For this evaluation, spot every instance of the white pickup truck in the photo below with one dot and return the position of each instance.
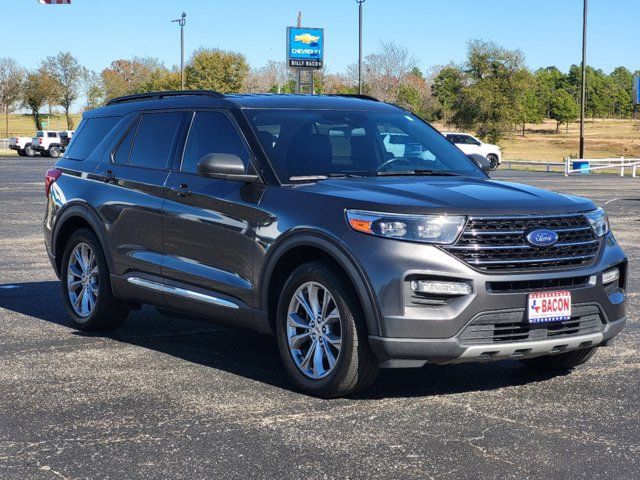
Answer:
(48, 143)
(22, 145)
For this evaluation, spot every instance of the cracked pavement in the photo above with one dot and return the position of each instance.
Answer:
(167, 397)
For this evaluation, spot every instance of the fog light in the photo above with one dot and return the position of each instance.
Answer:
(440, 288)
(610, 276)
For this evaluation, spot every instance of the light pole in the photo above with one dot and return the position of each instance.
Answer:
(181, 21)
(584, 77)
(360, 2)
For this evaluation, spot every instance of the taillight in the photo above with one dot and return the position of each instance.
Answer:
(40, 141)
(51, 176)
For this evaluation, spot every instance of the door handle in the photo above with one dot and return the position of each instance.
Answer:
(181, 190)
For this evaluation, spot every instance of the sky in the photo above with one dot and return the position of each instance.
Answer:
(436, 32)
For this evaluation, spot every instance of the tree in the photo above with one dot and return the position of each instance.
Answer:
(529, 109)
(548, 80)
(126, 77)
(564, 108)
(489, 103)
(385, 71)
(36, 91)
(92, 88)
(68, 73)
(215, 69)
(446, 87)
(11, 82)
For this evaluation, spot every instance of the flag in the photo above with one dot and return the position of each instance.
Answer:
(54, 2)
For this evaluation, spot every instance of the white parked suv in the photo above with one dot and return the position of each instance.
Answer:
(22, 145)
(470, 144)
(48, 143)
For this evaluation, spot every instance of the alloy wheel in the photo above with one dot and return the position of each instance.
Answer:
(82, 279)
(314, 331)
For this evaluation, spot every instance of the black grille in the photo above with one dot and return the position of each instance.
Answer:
(499, 243)
(491, 328)
(542, 284)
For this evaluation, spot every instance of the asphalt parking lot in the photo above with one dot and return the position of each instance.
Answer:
(178, 398)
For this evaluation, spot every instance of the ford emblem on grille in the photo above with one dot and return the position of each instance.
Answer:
(542, 237)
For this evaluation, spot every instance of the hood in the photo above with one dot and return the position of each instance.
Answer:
(453, 195)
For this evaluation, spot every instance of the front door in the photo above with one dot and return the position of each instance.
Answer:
(209, 224)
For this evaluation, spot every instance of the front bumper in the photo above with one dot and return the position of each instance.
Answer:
(410, 332)
(414, 352)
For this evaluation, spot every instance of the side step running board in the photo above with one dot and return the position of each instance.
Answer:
(181, 292)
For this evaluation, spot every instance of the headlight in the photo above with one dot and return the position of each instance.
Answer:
(442, 229)
(599, 221)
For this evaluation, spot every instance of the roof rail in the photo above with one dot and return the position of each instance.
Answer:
(168, 93)
(358, 95)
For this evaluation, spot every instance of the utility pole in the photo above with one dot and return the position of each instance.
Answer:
(360, 2)
(181, 21)
(584, 77)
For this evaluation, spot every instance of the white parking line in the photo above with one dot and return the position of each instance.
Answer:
(610, 201)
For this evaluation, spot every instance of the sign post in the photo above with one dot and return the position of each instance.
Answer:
(305, 53)
(636, 95)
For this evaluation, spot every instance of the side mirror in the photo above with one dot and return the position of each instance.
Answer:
(225, 166)
(480, 161)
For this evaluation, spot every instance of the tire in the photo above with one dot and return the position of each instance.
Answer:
(355, 366)
(103, 313)
(493, 161)
(21, 152)
(54, 152)
(29, 151)
(561, 362)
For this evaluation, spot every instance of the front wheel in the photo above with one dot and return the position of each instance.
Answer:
(562, 361)
(86, 285)
(493, 161)
(322, 335)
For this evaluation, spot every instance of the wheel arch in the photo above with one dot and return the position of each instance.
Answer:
(301, 246)
(72, 218)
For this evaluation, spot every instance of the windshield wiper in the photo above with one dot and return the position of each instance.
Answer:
(317, 178)
(434, 173)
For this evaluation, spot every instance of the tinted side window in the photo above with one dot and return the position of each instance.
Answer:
(121, 155)
(211, 132)
(51, 134)
(89, 135)
(154, 139)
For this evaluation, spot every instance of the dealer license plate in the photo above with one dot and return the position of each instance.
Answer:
(549, 307)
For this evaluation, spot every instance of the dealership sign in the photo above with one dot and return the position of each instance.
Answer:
(636, 90)
(305, 47)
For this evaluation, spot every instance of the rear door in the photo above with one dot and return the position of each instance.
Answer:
(209, 223)
(131, 203)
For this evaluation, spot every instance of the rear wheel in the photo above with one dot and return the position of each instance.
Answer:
(86, 285)
(29, 151)
(493, 161)
(322, 335)
(561, 362)
(54, 152)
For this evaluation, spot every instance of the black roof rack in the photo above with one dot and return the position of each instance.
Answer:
(358, 95)
(169, 93)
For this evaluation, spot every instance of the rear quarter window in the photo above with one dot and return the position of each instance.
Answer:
(89, 134)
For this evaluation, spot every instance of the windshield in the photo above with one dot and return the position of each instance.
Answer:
(308, 143)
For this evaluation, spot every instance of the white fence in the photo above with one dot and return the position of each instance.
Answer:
(588, 165)
(4, 143)
(583, 165)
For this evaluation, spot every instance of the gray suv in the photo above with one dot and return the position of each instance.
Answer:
(350, 229)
